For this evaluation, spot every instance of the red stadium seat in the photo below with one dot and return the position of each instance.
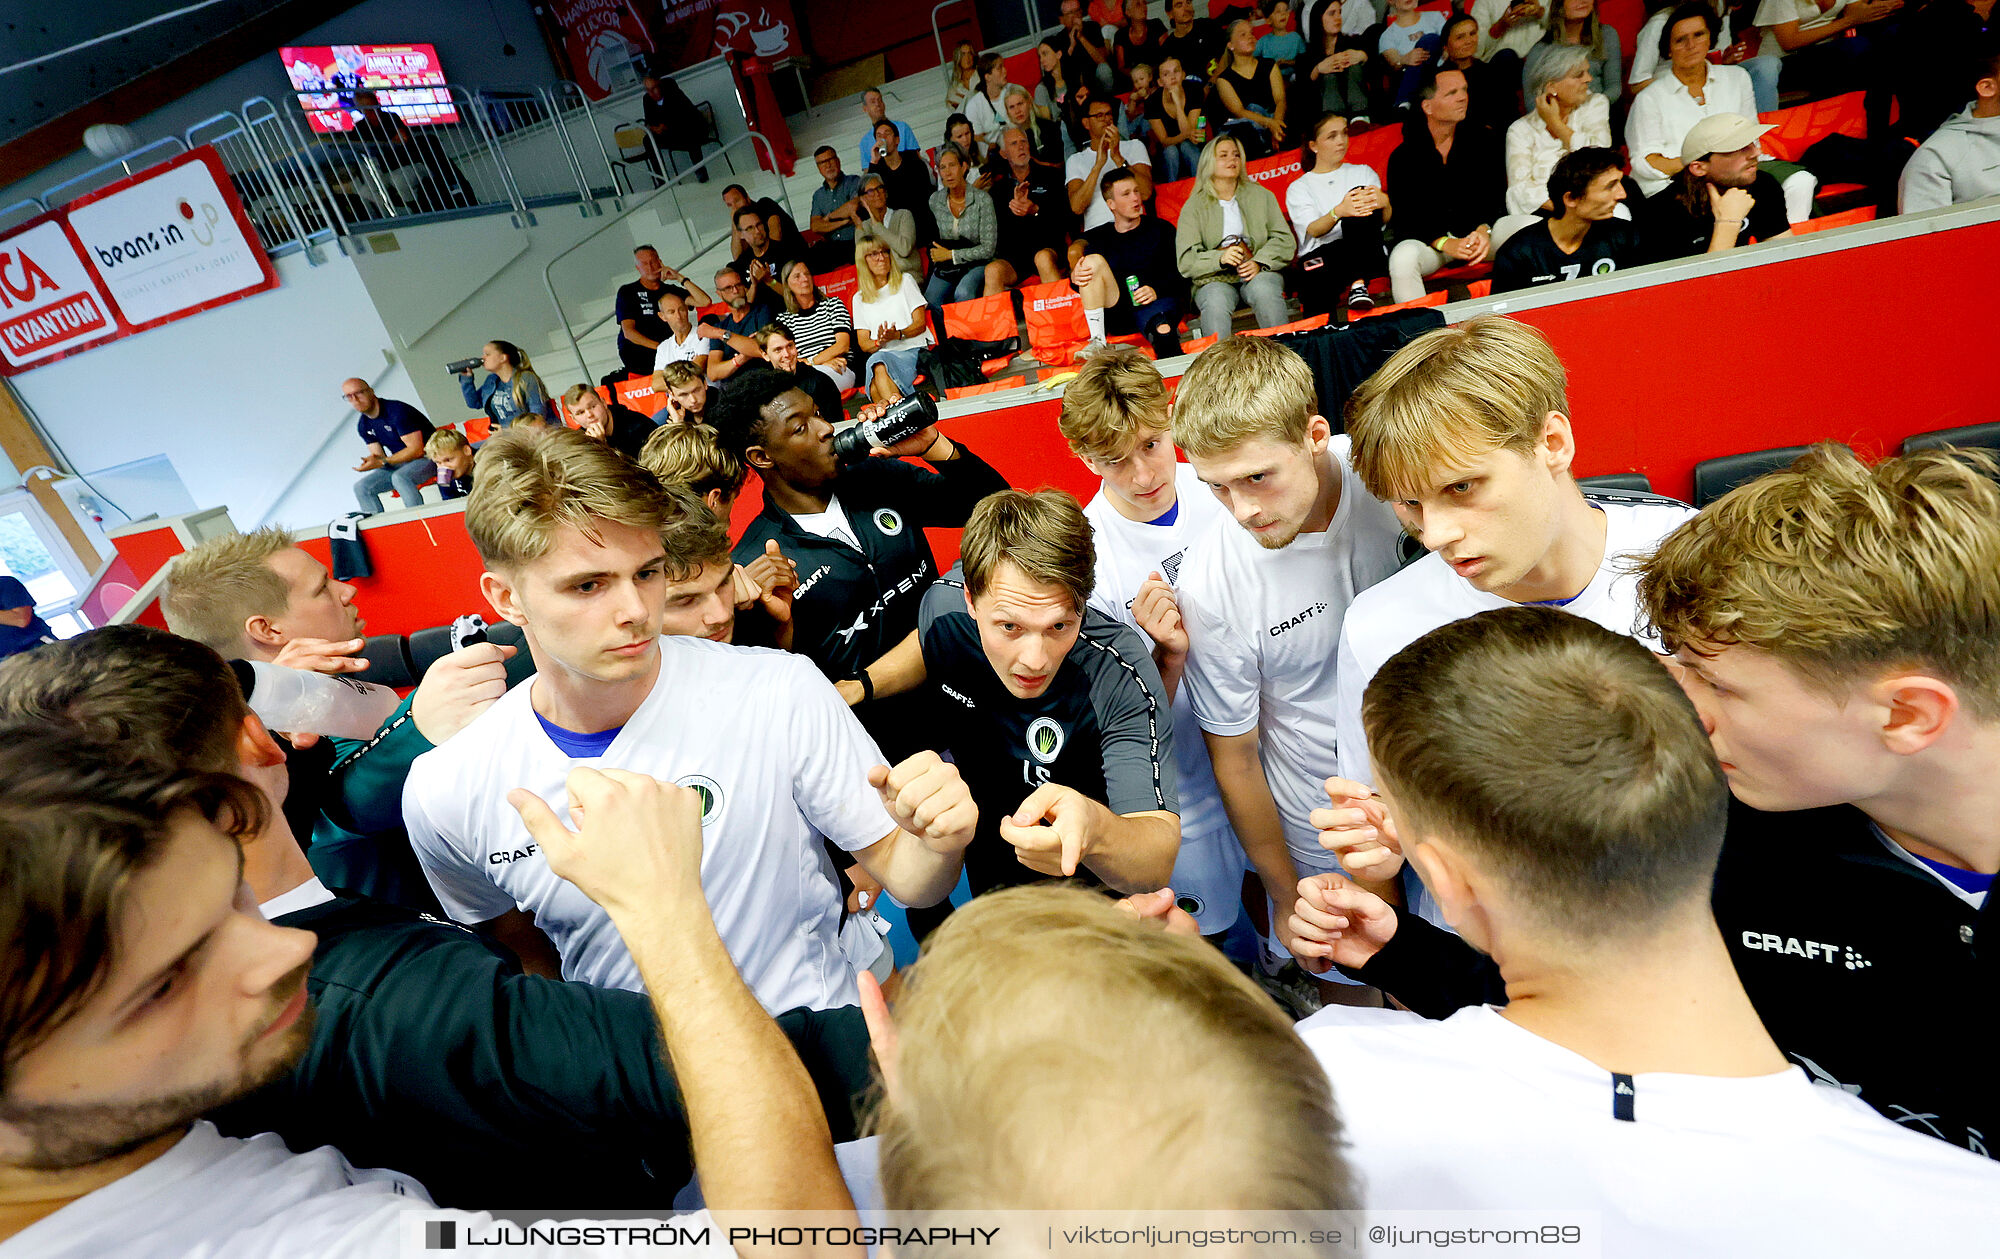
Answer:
(639, 395)
(478, 428)
(1802, 126)
(1298, 325)
(1372, 148)
(984, 319)
(1169, 198)
(1846, 218)
(841, 283)
(1428, 299)
(1054, 315)
(1024, 68)
(1199, 344)
(1478, 289)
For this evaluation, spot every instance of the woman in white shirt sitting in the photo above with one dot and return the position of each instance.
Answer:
(1337, 210)
(891, 321)
(1687, 91)
(1566, 113)
(1742, 49)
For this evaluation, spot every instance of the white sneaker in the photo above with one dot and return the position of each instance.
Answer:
(1091, 348)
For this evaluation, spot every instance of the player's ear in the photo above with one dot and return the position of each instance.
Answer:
(503, 594)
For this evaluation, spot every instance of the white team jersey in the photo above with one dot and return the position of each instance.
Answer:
(1476, 1113)
(781, 761)
(1428, 594)
(1129, 551)
(1264, 626)
(255, 1199)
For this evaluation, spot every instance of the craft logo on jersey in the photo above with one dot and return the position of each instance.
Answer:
(1045, 739)
(888, 521)
(710, 792)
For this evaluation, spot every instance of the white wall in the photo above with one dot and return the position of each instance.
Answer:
(244, 400)
(464, 32)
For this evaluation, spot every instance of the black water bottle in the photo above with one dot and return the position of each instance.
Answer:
(903, 418)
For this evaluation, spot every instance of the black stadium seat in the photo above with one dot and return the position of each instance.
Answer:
(1715, 477)
(1617, 481)
(1970, 437)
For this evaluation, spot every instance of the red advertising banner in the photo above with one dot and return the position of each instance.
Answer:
(166, 243)
(407, 78)
(601, 38)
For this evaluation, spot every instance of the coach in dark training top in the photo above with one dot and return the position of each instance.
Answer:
(1055, 714)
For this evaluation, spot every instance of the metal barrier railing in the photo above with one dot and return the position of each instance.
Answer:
(298, 177)
(570, 100)
(753, 138)
(379, 168)
(32, 204)
(123, 165)
(272, 212)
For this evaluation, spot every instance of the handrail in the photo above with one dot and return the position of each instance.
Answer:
(474, 101)
(242, 128)
(556, 93)
(49, 193)
(937, 33)
(36, 202)
(548, 280)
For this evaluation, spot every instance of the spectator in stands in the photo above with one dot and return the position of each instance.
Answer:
(637, 309)
(957, 130)
(1741, 50)
(692, 456)
(1132, 108)
(1249, 94)
(1575, 24)
(1283, 46)
(452, 454)
(395, 433)
(834, 209)
(1961, 160)
(1338, 67)
(891, 322)
(1942, 47)
(511, 388)
(762, 260)
(1832, 50)
(1033, 208)
(1585, 239)
(1084, 172)
(1190, 40)
(688, 393)
(1174, 114)
(1232, 242)
(396, 148)
(1508, 29)
(543, 512)
(781, 352)
(1161, 1024)
(1065, 741)
(1720, 199)
(730, 335)
(1568, 114)
(1126, 273)
(778, 225)
(964, 75)
(1138, 41)
(673, 121)
(1263, 599)
(857, 535)
(1562, 801)
(683, 342)
(903, 172)
(1337, 210)
(1495, 103)
(985, 108)
(820, 325)
(1409, 44)
(1693, 90)
(1451, 183)
(1149, 512)
(616, 425)
(1053, 94)
(968, 232)
(896, 225)
(873, 107)
(1045, 141)
(1085, 59)
(20, 627)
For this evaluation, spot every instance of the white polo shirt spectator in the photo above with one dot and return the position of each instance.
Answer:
(693, 348)
(1314, 195)
(761, 734)
(1475, 1113)
(1264, 633)
(1208, 873)
(1130, 153)
(1665, 112)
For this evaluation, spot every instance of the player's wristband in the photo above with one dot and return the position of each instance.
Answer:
(867, 687)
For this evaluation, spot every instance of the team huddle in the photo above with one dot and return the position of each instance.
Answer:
(1595, 854)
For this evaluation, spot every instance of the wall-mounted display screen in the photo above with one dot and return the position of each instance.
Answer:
(406, 77)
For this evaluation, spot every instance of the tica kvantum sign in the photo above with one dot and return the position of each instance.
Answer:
(169, 242)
